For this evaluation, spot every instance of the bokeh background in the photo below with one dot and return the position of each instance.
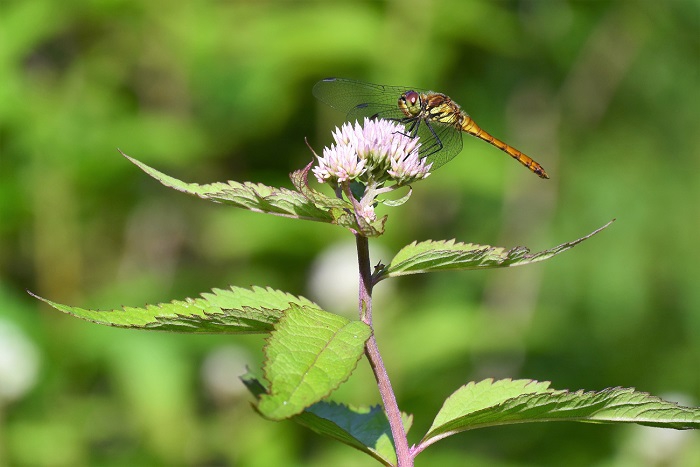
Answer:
(604, 94)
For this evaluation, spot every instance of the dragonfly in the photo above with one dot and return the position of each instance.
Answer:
(432, 116)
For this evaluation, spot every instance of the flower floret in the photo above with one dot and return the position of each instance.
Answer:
(339, 163)
(409, 168)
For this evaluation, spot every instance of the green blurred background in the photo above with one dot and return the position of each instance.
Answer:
(604, 94)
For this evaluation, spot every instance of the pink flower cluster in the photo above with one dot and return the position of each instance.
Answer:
(375, 152)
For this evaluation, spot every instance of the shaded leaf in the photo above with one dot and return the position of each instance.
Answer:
(253, 383)
(449, 255)
(300, 180)
(235, 310)
(364, 428)
(308, 355)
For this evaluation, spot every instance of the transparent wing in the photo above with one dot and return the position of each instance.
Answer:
(358, 99)
(375, 110)
(439, 143)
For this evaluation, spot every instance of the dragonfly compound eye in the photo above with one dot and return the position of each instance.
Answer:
(412, 97)
(409, 102)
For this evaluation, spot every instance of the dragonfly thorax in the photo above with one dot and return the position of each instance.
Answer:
(432, 106)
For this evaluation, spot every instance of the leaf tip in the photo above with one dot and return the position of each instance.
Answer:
(38, 297)
(33, 294)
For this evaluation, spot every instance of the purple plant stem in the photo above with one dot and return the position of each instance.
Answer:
(391, 408)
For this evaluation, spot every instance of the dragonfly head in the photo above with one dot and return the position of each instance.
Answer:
(410, 103)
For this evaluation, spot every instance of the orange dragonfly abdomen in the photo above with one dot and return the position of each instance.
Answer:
(468, 125)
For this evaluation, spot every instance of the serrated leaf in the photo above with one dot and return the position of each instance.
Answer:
(447, 255)
(308, 204)
(505, 402)
(474, 397)
(364, 428)
(308, 355)
(253, 196)
(300, 180)
(232, 311)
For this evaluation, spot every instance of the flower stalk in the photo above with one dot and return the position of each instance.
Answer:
(391, 407)
(365, 162)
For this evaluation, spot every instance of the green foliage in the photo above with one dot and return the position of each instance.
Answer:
(307, 357)
(310, 352)
(363, 428)
(231, 311)
(493, 403)
(306, 204)
(448, 255)
(222, 90)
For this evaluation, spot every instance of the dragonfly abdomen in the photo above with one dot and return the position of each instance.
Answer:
(468, 125)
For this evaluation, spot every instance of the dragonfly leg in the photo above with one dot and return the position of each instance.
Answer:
(410, 122)
(412, 127)
(437, 143)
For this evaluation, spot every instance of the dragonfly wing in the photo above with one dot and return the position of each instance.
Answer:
(359, 100)
(439, 143)
(346, 94)
(374, 110)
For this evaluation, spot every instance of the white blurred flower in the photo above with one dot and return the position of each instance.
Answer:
(19, 362)
(221, 371)
(333, 279)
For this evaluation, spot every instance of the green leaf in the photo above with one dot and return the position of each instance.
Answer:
(233, 311)
(449, 255)
(397, 202)
(364, 428)
(308, 355)
(505, 402)
(307, 204)
(300, 180)
(253, 196)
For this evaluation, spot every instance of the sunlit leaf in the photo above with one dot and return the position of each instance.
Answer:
(307, 204)
(505, 402)
(450, 255)
(253, 196)
(235, 310)
(308, 355)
